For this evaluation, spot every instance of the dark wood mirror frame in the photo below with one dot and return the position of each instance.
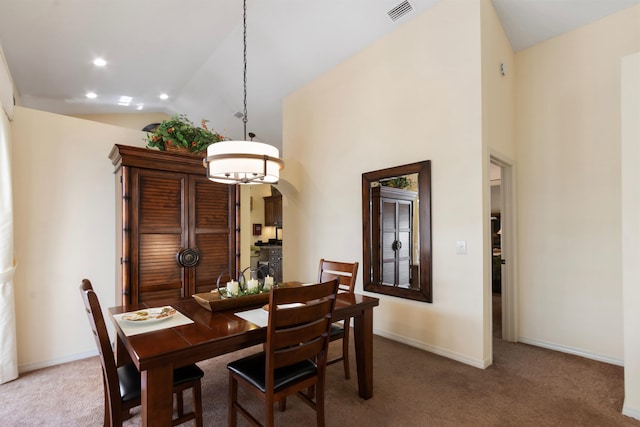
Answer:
(423, 292)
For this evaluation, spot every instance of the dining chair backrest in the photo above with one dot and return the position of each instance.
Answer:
(122, 388)
(299, 324)
(294, 356)
(107, 359)
(345, 272)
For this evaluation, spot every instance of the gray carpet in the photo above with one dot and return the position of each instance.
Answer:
(526, 386)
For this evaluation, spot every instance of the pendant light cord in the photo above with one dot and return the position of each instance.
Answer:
(244, 40)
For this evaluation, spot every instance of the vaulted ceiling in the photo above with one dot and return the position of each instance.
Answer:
(192, 50)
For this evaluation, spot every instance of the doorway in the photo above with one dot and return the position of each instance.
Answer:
(503, 254)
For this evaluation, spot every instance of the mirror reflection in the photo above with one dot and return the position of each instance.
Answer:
(397, 231)
(393, 205)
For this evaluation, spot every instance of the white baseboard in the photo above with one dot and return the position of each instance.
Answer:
(53, 362)
(631, 412)
(477, 363)
(571, 350)
(485, 363)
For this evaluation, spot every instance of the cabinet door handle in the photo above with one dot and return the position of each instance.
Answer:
(188, 257)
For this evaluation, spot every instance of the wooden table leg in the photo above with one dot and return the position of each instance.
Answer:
(157, 396)
(363, 336)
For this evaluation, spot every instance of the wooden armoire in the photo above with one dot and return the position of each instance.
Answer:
(392, 218)
(176, 231)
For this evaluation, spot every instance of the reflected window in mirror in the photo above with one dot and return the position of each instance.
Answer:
(396, 215)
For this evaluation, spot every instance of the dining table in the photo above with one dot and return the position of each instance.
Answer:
(196, 334)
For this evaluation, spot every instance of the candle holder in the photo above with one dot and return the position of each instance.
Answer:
(266, 275)
(253, 280)
(250, 281)
(233, 287)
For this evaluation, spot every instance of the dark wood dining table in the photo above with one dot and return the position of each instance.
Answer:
(212, 334)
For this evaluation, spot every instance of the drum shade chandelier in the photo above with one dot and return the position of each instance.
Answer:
(243, 162)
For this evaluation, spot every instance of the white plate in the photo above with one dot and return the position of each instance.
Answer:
(149, 316)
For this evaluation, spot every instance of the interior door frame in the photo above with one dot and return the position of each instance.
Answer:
(508, 247)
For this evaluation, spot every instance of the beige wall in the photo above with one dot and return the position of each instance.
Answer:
(498, 91)
(135, 121)
(64, 194)
(413, 95)
(566, 126)
(569, 197)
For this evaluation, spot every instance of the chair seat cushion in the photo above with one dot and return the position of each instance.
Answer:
(187, 374)
(336, 330)
(252, 369)
(129, 378)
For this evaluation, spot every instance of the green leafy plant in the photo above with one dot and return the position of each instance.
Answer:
(398, 182)
(179, 131)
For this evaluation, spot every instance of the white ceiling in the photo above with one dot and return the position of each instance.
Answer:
(192, 50)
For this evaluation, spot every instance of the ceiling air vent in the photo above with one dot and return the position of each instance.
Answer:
(400, 10)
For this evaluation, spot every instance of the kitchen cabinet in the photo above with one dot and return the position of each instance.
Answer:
(175, 229)
(273, 210)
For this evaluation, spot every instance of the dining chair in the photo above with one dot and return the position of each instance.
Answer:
(295, 354)
(122, 384)
(346, 274)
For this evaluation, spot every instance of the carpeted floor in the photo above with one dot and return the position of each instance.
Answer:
(526, 386)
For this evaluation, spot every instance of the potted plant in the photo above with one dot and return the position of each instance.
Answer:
(181, 135)
(401, 182)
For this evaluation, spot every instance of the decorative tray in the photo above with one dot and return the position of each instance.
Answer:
(212, 301)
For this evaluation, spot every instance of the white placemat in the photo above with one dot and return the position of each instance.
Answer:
(260, 316)
(257, 316)
(134, 328)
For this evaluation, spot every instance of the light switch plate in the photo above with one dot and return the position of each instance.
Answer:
(461, 247)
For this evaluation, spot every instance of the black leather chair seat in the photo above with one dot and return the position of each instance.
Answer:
(336, 330)
(129, 378)
(251, 368)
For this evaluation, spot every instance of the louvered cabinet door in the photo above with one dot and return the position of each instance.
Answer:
(212, 224)
(176, 230)
(159, 230)
(392, 216)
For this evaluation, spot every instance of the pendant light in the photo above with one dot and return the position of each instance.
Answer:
(243, 162)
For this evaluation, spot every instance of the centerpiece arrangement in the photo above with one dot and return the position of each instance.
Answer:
(242, 292)
(179, 134)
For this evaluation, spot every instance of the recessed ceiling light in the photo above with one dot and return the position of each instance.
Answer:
(140, 106)
(92, 95)
(99, 62)
(125, 100)
(164, 96)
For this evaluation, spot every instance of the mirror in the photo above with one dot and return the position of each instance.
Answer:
(396, 224)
